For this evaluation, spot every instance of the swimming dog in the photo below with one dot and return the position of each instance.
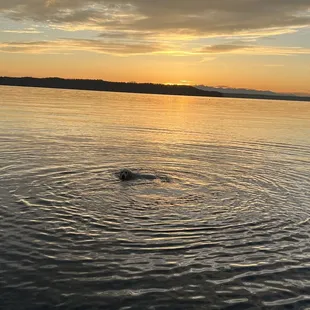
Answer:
(127, 175)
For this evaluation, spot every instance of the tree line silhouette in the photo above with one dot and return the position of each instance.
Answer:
(100, 85)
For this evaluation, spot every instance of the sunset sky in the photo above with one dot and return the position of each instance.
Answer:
(258, 44)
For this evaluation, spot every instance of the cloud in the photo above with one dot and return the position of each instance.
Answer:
(252, 50)
(223, 48)
(69, 45)
(65, 46)
(195, 18)
(21, 31)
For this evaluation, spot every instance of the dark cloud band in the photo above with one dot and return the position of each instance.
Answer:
(195, 17)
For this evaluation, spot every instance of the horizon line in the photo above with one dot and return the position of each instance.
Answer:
(216, 88)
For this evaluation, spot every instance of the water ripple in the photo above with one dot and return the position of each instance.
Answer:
(229, 230)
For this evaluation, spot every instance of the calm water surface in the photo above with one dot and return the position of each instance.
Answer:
(228, 226)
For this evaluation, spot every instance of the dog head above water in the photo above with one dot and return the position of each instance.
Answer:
(125, 175)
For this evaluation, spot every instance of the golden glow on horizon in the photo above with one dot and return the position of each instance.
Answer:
(250, 73)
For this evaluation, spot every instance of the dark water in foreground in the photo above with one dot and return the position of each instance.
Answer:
(230, 230)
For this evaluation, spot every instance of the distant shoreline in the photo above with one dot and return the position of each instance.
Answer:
(132, 87)
(100, 85)
(267, 97)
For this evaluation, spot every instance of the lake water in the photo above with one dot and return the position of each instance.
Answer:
(226, 225)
